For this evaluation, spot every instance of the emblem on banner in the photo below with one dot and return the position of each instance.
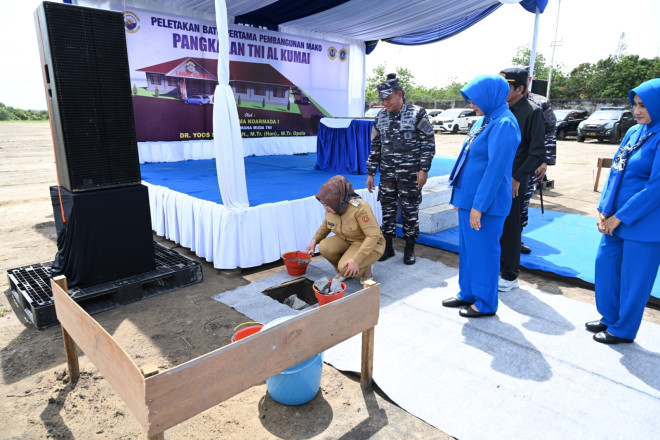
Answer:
(131, 21)
(191, 66)
(332, 52)
(343, 54)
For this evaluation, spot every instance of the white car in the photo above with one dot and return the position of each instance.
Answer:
(373, 111)
(433, 114)
(454, 120)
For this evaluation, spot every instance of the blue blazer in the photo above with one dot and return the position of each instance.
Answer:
(637, 198)
(637, 201)
(485, 180)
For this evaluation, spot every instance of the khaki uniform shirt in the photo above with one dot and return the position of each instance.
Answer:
(357, 225)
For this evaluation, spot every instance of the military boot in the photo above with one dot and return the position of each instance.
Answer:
(409, 251)
(389, 249)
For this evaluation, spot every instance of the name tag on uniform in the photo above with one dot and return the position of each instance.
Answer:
(330, 224)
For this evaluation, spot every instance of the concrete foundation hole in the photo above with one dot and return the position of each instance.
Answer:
(297, 294)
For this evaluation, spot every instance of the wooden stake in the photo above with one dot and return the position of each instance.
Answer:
(603, 162)
(70, 347)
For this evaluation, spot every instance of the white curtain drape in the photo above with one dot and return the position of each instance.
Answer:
(226, 127)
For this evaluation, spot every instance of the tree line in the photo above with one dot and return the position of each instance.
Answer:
(17, 114)
(612, 77)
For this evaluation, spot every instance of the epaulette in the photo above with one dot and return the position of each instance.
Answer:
(355, 202)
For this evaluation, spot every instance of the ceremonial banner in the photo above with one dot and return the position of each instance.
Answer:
(282, 84)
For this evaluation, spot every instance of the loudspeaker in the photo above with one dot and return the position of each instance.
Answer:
(540, 87)
(106, 236)
(88, 89)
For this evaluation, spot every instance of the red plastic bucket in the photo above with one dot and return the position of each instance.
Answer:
(292, 261)
(324, 299)
(238, 334)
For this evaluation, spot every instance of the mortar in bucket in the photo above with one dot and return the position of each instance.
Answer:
(239, 333)
(298, 384)
(296, 262)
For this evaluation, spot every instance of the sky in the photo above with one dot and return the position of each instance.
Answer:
(588, 30)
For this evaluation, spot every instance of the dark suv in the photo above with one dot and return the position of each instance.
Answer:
(609, 123)
(567, 122)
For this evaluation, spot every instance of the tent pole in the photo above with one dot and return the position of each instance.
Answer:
(532, 58)
(554, 46)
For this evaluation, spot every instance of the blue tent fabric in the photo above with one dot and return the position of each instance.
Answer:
(447, 30)
(282, 11)
(443, 31)
(344, 150)
(531, 5)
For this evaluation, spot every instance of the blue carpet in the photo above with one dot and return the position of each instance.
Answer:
(269, 179)
(564, 244)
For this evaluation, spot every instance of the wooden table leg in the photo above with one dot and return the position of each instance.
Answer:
(366, 379)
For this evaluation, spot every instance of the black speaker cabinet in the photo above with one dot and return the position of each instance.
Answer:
(106, 236)
(540, 87)
(88, 88)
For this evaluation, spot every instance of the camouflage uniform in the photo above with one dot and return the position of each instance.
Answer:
(550, 142)
(402, 144)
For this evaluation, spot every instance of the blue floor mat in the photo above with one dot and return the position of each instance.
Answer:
(564, 244)
(269, 179)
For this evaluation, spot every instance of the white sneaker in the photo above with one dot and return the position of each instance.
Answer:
(506, 285)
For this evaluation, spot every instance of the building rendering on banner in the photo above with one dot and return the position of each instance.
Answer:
(183, 77)
(251, 82)
(254, 82)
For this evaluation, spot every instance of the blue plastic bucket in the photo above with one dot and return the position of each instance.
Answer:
(300, 383)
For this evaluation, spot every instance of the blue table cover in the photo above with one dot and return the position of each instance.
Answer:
(344, 150)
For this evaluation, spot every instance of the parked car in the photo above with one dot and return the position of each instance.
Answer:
(373, 111)
(303, 100)
(454, 120)
(433, 114)
(568, 121)
(197, 99)
(609, 123)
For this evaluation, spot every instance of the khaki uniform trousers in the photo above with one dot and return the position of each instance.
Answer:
(338, 251)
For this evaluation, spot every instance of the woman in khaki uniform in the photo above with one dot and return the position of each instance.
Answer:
(358, 241)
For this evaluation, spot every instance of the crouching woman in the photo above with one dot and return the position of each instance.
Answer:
(358, 241)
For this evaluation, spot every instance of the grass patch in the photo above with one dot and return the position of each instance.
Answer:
(141, 91)
(271, 107)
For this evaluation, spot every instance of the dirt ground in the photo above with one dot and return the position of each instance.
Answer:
(38, 401)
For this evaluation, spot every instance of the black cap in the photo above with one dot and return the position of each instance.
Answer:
(388, 86)
(516, 76)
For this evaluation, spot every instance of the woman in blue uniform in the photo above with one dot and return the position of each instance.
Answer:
(481, 181)
(629, 252)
